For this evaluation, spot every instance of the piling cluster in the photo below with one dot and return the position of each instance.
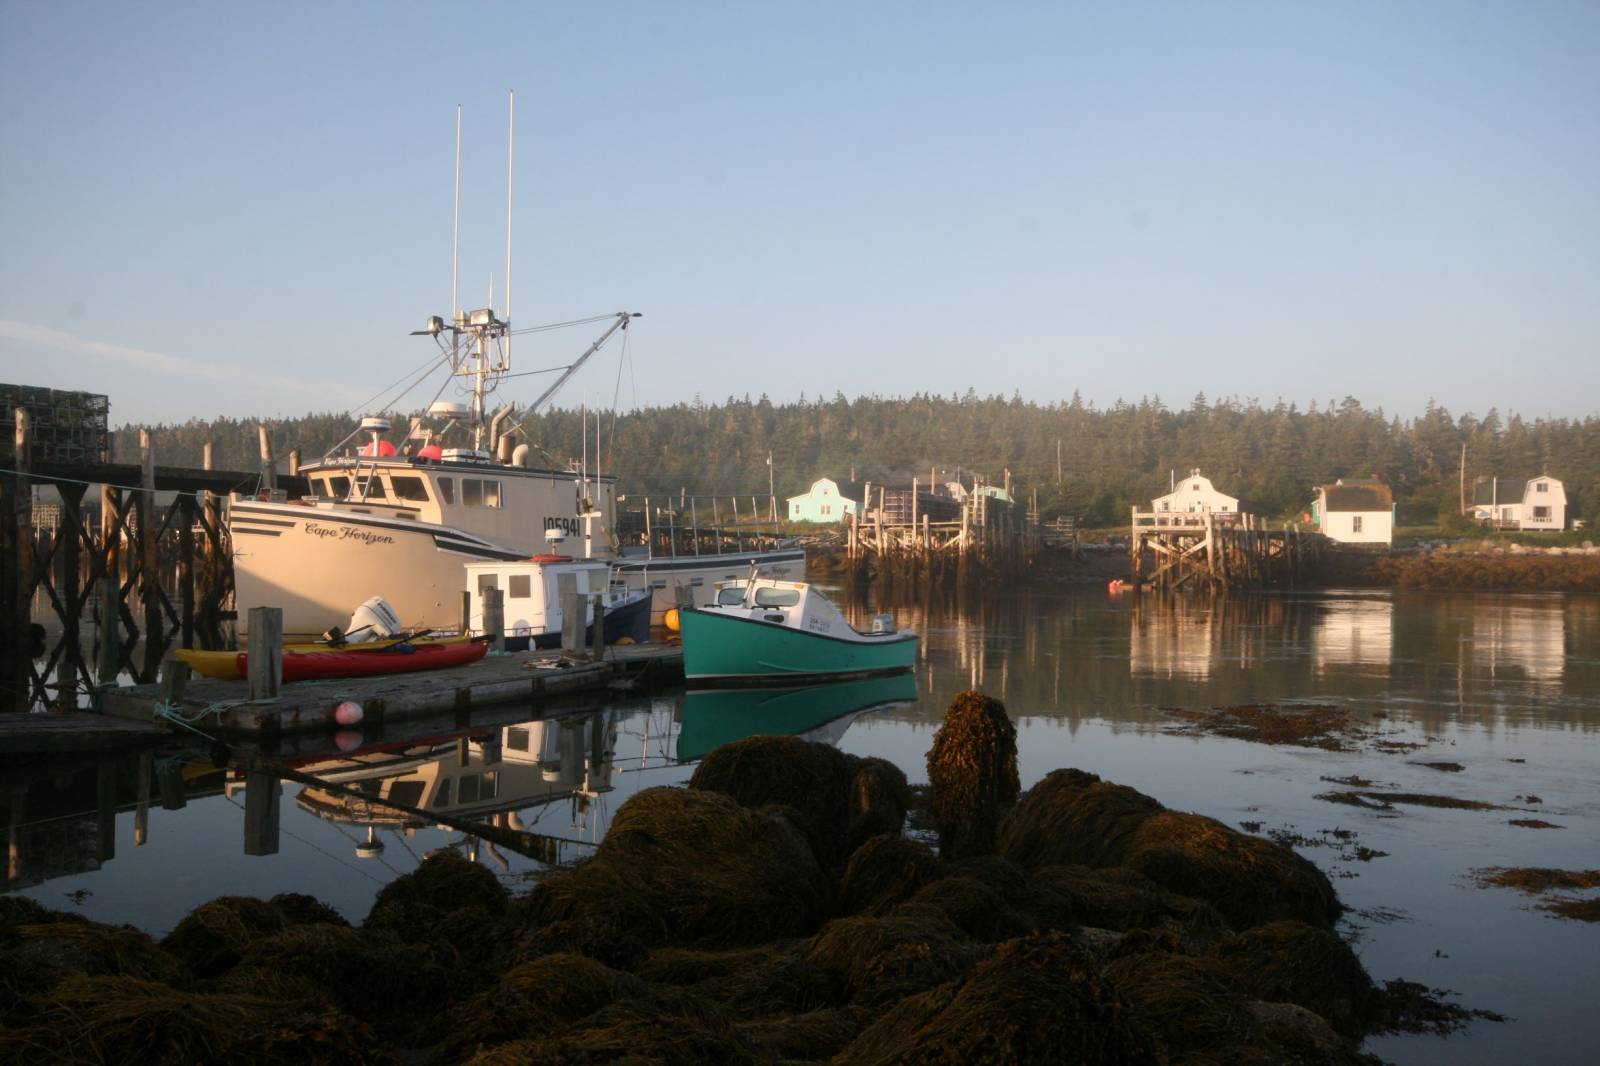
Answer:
(773, 911)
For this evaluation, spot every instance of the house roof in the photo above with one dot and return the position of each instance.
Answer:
(849, 490)
(1498, 490)
(1358, 496)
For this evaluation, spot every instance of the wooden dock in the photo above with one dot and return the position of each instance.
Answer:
(223, 708)
(1171, 550)
(920, 531)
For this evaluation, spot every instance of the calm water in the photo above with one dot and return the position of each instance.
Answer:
(1507, 686)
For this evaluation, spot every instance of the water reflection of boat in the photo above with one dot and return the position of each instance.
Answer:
(714, 717)
(487, 777)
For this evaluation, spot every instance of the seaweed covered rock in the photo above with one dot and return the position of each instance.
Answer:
(992, 900)
(298, 908)
(810, 1037)
(1040, 999)
(214, 936)
(878, 799)
(880, 960)
(1309, 966)
(1248, 879)
(1074, 818)
(693, 868)
(1122, 900)
(54, 950)
(447, 894)
(1186, 1003)
(972, 773)
(127, 1019)
(542, 996)
(884, 871)
(20, 910)
(373, 975)
(813, 779)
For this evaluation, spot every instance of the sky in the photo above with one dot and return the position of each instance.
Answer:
(244, 209)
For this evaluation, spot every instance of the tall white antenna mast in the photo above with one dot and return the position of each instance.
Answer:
(511, 132)
(455, 235)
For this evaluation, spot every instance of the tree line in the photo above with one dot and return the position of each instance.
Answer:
(1082, 460)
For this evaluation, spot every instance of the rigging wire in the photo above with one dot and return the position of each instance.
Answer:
(420, 371)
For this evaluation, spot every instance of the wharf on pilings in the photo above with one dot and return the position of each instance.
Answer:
(989, 532)
(145, 573)
(1219, 551)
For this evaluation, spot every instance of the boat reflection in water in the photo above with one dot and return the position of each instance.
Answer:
(714, 717)
(540, 788)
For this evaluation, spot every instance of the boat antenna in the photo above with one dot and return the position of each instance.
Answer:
(511, 133)
(455, 234)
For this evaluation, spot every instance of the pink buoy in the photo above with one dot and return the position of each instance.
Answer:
(347, 739)
(348, 713)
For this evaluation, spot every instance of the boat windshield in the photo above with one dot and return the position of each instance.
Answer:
(770, 597)
(730, 597)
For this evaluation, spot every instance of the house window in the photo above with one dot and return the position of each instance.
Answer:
(1355, 524)
(1165, 505)
(1541, 514)
(826, 509)
(1197, 486)
(1540, 487)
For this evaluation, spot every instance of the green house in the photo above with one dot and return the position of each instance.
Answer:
(827, 501)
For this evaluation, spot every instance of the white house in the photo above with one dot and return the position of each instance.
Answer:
(827, 501)
(1356, 512)
(1537, 504)
(1195, 494)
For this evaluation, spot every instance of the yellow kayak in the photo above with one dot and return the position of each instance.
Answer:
(224, 665)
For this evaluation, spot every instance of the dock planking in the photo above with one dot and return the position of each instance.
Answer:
(225, 707)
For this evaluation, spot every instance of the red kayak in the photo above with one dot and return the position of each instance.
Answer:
(402, 659)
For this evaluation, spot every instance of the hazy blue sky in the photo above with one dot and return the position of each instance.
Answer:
(231, 208)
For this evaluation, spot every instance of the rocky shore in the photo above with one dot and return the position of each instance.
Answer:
(774, 911)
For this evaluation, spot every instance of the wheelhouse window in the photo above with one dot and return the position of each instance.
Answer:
(409, 488)
(521, 587)
(447, 489)
(370, 488)
(771, 597)
(339, 487)
(480, 492)
(730, 597)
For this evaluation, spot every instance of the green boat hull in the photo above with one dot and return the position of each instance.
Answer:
(726, 647)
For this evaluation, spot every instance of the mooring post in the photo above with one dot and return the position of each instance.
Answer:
(265, 662)
(19, 526)
(466, 612)
(269, 465)
(71, 582)
(494, 618)
(261, 794)
(294, 462)
(174, 676)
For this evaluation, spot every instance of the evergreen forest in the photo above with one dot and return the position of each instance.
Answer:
(1082, 460)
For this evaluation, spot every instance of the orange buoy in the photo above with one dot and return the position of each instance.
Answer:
(670, 620)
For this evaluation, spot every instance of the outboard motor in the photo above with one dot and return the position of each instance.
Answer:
(883, 623)
(373, 620)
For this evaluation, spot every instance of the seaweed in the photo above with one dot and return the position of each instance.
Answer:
(972, 772)
(884, 871)
(213, 936)
(1305, 965)
(812, 779)
(693, 867)
(877, 961)
(1304, 725)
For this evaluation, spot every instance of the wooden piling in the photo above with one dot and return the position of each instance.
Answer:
(19, 530)
(262, 793)
(494, 618)
(265, 663)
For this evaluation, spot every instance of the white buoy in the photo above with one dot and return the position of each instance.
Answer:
(348, 713)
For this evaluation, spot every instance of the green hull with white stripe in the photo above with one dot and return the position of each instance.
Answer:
(718, 646)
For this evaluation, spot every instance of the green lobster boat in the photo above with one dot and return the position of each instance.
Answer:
(767, 630)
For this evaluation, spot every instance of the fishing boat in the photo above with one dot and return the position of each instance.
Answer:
(399, 509)
(764, 629)
(399, 659)
(532, 593)
(224, 665)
